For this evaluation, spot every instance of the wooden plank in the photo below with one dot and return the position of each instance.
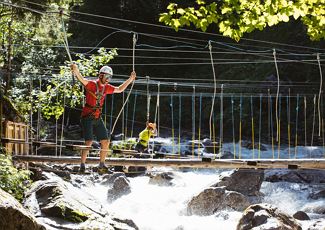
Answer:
(179, 163)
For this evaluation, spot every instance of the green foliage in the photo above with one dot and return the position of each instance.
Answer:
(12, 180)
(128, 144)
(235, 18)
(61, 89)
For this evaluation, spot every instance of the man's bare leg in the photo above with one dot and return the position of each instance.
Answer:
(84, 153)
(104, 150)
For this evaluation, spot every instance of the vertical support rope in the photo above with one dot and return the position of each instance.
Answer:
(305, 113)
(279, 121)
(200, 118)
(260, 128)
(133, 68)
(62, 122)
(268, 115)
(277, 96)
(193, 121)
(221, 122)
(240, 121)
(31, 114)
(271, 120)
(314, 118)
(233, 126)
(157, 108)
(319, 95)
(133, 116)
(38, 114)
(252, 121)
(126, 121)
(288, 119)
(179, 122)
(296, 135)
(112, 108)
(214, 136)
(214, 89)
(148, 99)
(172, 118)
(122, 128)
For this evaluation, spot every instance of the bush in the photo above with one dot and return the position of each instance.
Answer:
(12, 180)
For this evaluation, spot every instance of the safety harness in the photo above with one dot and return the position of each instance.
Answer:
(98, 97)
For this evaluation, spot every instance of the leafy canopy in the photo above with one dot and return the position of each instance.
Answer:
(234, 18)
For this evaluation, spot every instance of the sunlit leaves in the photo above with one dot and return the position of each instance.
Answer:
(237, 17)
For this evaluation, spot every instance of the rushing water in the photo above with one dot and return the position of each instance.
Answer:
(154, 207)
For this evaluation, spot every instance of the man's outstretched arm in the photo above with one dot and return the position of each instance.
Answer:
(75, 70)
(125, 84)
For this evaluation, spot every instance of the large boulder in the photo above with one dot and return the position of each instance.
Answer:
(121, 186)
(247, 181)
(266, 217)
(305, 176)
(212, 200)
(59, 204)
(14, 216)
(162, 179)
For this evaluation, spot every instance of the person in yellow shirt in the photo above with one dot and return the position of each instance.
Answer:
(144, 136)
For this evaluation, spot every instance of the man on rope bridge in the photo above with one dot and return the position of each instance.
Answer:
(144, 136)
(91, 120)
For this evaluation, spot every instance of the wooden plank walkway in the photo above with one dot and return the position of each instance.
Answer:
(185, 163)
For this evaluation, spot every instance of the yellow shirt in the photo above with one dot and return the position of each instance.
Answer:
(144, 137)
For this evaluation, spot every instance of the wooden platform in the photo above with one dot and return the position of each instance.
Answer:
(185, 163)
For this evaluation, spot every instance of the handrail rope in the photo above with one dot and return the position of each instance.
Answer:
(305, 118)
(260, 129)
(161, 26)
(233, 126)
(221, 123)
(193, 120)
(133, 115)
(277, 96)
(214, 88)
(127, 98)
(279, 140)
(319, 95)
(252, 127)
(272, 132)
(288, 121)
(314, 118)
(240, 124)
(296, 136)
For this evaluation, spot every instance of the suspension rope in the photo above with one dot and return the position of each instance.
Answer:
(111, 118)
(233, 126)
(63, 116)
(126, 120)
(157, 108)
(296, 136)
(277, 96)
(260, 129)
(252, 122)
(133, 69)
(288, 120)
(240, 123)
(313, 127)
(133, 115)
(214, 89)
(268, 115)
(319, 95)
(123, 113)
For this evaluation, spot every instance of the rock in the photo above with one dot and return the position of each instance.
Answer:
(317, 225)
(266, 217)
(300, 215)
(315, 207)
(247, 182)
(305, 176)
(162, 179)
(14, 216)
(318, 195)
(212, 200)
(120, 188)
(109, 179)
